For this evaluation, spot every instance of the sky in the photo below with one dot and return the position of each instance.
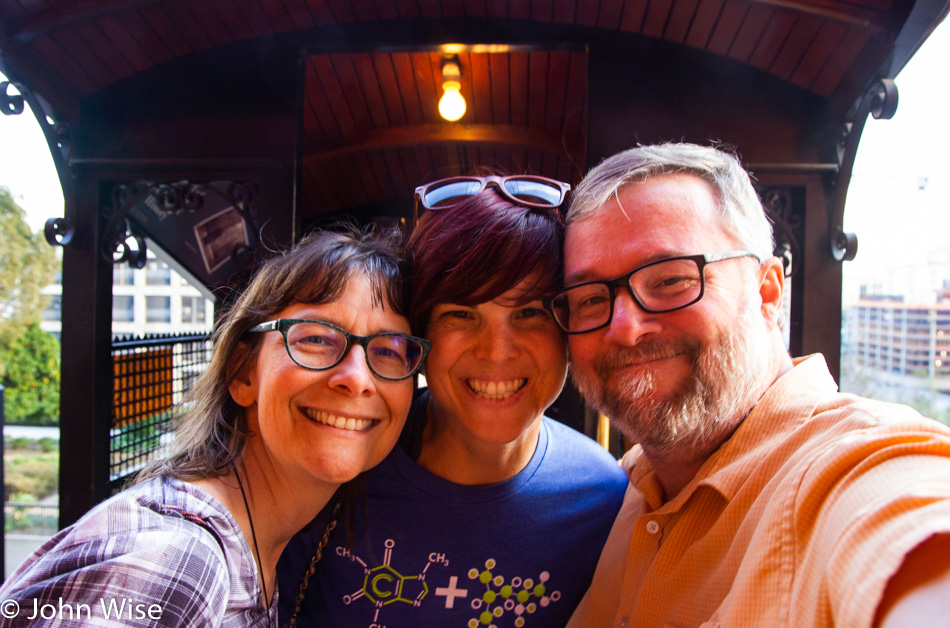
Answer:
(902, 168)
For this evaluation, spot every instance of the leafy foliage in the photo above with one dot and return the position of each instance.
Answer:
(31, 378)
(29, 357)
(34, 475)
(27, 265)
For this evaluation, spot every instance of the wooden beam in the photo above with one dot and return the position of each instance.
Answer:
(399, 137)
(874, 22)
(26, 29)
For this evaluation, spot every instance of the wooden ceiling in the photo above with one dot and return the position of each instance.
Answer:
(372, 131)
(369, 71)
(88, 45)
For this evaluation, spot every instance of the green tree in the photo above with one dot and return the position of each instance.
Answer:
(32, 378)
(27, 265)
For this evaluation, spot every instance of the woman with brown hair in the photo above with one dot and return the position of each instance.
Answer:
(309, 385)
(488, 512)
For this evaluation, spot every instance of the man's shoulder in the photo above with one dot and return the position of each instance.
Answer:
(844, 409)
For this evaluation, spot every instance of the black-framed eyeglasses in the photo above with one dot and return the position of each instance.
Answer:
(523, 189)
(665, 285)
(317, 345)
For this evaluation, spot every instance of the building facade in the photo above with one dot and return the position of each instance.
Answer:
(898, 351)
(151, 300)
(902, 339)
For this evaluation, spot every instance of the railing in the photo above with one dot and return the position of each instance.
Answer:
(27, 518)
(151, 376)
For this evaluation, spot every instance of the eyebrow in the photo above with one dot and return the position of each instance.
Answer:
(578, 277)
(585, 275)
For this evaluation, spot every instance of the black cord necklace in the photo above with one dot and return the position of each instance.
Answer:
(257, 551)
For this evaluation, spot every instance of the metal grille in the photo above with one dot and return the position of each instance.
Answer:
(24, 518)
(151, 375)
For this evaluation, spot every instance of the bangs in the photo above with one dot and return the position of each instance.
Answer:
(479, 250)
(327, 287)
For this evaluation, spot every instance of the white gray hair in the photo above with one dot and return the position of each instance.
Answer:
(743, 216)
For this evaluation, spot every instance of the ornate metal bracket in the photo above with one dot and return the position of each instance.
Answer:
(880, 101)
(12, 104)
(787, 222)
(57, 136)
(122, 243)
(59, 231)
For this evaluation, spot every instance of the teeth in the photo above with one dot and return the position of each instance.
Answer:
(339, 422)
(496, 390)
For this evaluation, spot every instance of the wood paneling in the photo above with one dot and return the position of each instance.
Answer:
(369, 119)
(129, 37)
(370, 122)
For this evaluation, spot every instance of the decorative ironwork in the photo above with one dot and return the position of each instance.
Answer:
(122, 242)
(786, 220)
(880, 101)
(58, 137)
(12, 104)
(59, 231)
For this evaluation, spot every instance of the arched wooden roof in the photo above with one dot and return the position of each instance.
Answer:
(84, 46)
(296, 112)
(534, 72)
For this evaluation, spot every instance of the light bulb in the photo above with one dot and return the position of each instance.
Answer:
(452, 104)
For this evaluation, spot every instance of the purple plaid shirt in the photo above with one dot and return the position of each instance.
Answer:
(162, 553)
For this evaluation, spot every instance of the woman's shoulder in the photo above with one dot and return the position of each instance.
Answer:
(150, 542)
(570, 448)
(156, 509)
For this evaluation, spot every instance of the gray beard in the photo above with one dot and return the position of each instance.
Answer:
(728, 378)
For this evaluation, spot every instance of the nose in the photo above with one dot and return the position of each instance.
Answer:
(630, 323)
(496, 342)
(352, 375)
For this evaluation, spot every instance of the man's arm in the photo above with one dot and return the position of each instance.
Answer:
(919, 593)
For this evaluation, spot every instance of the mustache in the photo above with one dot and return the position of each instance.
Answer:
(647, 350)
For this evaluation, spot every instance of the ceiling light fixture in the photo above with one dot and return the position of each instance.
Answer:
(452, 104)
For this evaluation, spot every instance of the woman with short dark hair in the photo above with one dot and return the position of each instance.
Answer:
(488, 512)
(309, 385)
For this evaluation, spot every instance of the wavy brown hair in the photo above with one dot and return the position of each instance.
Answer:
(211, 430)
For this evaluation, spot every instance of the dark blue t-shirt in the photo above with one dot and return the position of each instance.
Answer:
(519, 553)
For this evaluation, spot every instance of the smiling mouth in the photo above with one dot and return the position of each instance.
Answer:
(496, 390)
(339, 422)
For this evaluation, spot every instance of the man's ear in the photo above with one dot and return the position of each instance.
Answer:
(243, 386)
(772, 290)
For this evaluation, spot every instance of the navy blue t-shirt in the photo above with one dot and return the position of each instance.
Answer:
(519, 553)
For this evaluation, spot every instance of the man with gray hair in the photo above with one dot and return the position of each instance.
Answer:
(759, 495)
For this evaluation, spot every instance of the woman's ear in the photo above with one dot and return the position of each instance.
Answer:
(243, 386)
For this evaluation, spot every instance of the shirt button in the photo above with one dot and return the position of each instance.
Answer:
(652, 527)
(623, 623)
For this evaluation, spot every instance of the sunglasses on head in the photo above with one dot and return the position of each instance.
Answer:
(526, 190)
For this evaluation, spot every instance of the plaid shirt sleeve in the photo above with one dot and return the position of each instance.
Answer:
(133, 561)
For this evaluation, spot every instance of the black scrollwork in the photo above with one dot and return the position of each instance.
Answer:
(181, 196)
(786, 220)
(10, 104)
(122, 243)
(127, 247)
(880, 101)
(58, 231)
(57, 136)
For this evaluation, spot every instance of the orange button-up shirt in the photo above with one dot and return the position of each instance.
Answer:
(799, 519)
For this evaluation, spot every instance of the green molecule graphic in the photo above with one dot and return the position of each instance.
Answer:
(520, 596)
